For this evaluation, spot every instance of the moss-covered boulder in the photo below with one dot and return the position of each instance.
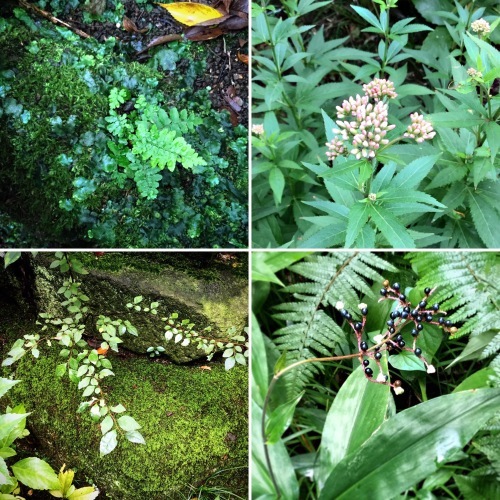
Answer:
(203, 288)
(194, 421)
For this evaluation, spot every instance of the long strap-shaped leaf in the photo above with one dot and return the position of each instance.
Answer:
(410, 446)
(357, 411)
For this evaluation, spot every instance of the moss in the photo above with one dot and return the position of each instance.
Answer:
(186, 414)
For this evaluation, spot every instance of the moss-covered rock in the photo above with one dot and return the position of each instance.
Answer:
(200, 288)
(195, 423)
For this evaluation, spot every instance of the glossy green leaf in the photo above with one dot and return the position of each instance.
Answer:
(432, 431)
(406, 361)
(128, 423)
(135, 437)
(284, 473)
(280, 419)
(11, 427)
(280, 363)
(35, 473)
(108, 443)
(85, 493)
(6, 384)
(10, 258)
(107, 424)
(357, 412)
(477, 380)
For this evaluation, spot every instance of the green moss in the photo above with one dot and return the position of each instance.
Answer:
(186, 414)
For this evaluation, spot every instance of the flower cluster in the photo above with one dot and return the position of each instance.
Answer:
(481, 27)
(258, 129)
(474, 73)
(419, 129)
(379, 88)
(392, 340)
(366, 132)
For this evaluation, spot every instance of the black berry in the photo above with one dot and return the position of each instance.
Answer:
(366, 362)
(414, 332)
(435, 307)
(347, 316)
(378, 355)
(402, 297)
(398, 338)
(358, 326)
(364, 311)
(396, 286)
(415, 312)
(404, 314)
(363, 346)
(428, 318)
(420, 327)
(406, 309)
(383, 292)
(401, 343)
(441, 320)
(392, 329)
(390, 323)
(418, 318)
(418, 352)
(448, 323)
(343, 312)
(369, 372)
(422, 304)
(427, 291)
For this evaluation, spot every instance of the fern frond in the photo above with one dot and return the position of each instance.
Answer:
(309, 331)
(467, 286)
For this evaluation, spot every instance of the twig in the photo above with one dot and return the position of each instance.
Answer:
(51, 18)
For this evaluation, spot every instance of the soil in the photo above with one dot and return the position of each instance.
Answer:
(226, 74)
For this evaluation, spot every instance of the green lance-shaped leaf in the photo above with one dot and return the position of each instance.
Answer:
(411, 446)
(358, 410)
(280, 419)
(35, 473)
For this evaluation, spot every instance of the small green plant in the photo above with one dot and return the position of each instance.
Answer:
(148, 140)
(31, 472)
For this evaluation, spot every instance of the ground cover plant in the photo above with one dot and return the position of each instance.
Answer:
(375, 375)
(116, 139)
(375, 126)
(76, 351)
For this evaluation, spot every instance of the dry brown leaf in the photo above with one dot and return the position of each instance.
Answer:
(200, 33)
(205, 368)
(130, 26)
(160, 40)
(243, 58)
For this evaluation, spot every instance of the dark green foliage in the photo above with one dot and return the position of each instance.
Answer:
(155, 167)
(439, 193)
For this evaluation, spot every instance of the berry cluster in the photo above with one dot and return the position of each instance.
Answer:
(392, 340)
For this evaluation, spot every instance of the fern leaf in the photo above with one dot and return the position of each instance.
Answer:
(468, 286)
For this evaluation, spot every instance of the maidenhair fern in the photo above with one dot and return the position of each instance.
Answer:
(309, 330)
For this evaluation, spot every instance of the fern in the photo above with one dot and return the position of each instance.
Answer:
(310, 331)
(468, 286)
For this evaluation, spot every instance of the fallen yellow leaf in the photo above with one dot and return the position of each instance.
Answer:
(189, 13)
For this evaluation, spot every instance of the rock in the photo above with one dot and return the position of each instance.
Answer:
(207, 291)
